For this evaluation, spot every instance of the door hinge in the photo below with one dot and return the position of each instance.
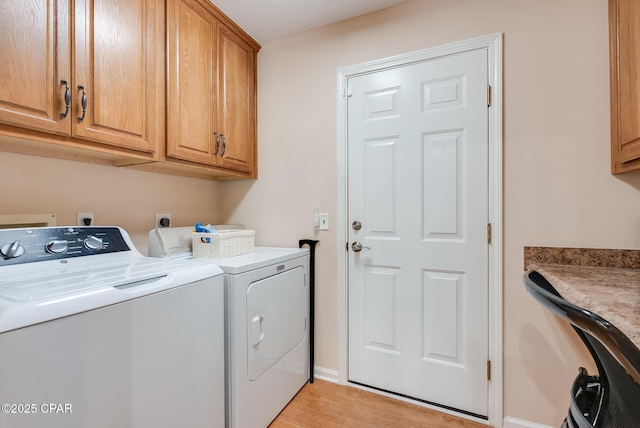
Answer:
(348, 91)
(489, 233)
(488, 370)
(488, 95)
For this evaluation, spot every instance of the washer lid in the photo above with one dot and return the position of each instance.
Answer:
(46, 293)
(54, 283)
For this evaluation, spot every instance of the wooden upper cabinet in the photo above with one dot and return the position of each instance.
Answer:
(129, 83)
(237, 98)
(192, 73)
(35, 58)
(119, 66)
(117, 47)
(624, 34)
(211, 102)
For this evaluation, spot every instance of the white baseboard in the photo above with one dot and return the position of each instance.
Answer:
(510, 422)
(325, 374)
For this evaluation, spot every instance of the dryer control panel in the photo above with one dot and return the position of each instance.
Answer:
(38, 244)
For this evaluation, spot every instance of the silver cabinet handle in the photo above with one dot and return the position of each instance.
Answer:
(357, 247)
(217, 143)
(224, 145)
(67, 99)
(83, 102)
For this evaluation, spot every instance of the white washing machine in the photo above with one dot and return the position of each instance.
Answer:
(93, 334)
(267, 324)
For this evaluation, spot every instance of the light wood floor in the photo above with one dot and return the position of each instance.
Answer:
(327, 405)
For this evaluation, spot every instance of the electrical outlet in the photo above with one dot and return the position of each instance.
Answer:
(324, 221)
(163, 220)
(85, 219)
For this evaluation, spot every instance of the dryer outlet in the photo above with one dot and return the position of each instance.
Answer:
(163, 220)
(85, 219)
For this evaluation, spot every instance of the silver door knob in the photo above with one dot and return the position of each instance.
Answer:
(356, 225)
(357, 246)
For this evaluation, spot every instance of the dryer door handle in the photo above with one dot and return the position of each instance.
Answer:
(256, 330)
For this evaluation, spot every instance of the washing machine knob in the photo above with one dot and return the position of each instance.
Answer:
(56, 247)
(12, 250)
(93, 243)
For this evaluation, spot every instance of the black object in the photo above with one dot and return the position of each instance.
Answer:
(611, 399)
(38, 244)
(165, 222)
(67, 99)
(312, 275)
(83, 102)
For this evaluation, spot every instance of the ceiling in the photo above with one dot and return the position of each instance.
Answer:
(269, 20)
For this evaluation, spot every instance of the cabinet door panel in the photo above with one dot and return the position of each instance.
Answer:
(116, 63)
(192, 103)
(35, 55)
(237, 93)
(629, 61)
(624, 27)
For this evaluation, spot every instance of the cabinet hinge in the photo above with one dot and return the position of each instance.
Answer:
(488, 370)
(348, 91)
(489, 233)
(488, 95)
(346, 246)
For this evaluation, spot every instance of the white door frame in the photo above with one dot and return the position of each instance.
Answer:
(493, 43)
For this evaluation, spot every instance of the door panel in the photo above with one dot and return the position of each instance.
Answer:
(237, 98)
(116, 64)
(380, 315)
(380, 187)
(276, 319)
(442, 294)
(36, 39)
(192, 107)
(418, 182)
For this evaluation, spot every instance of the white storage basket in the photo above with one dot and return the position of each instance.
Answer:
(224, 243)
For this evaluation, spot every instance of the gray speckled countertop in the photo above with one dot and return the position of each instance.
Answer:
(603, 281)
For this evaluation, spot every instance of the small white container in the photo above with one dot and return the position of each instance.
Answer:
(223, 243)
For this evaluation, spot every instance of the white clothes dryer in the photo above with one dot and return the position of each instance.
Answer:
(267, 324)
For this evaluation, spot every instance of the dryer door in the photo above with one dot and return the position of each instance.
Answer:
(276, 320)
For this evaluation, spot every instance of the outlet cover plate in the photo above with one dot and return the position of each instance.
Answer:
(80, 219)
(159, 217)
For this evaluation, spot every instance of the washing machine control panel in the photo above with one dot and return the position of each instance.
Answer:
(38, 244)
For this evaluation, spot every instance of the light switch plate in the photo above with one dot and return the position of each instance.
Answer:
(324, 221)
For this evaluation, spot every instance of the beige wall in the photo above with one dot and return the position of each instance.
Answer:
(558, 190)
(116, 196)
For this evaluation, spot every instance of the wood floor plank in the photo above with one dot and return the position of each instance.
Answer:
(328, 405)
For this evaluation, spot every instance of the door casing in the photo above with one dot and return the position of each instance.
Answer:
(493, 43)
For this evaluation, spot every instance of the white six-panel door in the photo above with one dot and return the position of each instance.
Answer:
(417, 141)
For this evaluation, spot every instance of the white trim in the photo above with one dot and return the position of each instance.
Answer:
(493, 43)
(325, 374)
(510, 422)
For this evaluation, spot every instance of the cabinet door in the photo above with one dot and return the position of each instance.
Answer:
(119, 67)
(35, 58)
(624, 16)
(192, 74)
(237, 92)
